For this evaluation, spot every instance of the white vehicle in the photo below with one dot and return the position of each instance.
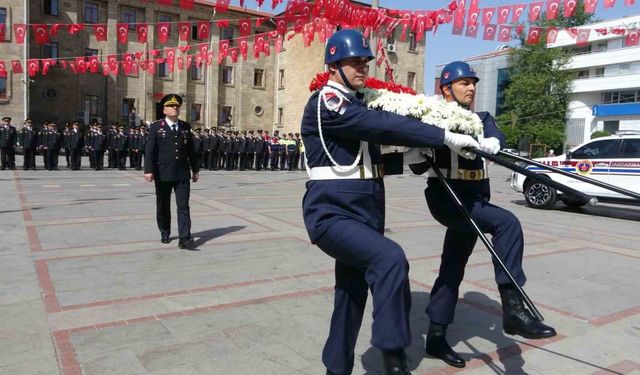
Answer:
(614, 160)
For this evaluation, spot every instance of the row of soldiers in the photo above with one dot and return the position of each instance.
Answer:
(248, 151)
(216, 150)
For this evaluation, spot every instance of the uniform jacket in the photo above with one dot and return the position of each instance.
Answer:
(8, 136)
(169, 155)
(99, 141)
(75, 140)
(122, 142)
(28, 138)
(54, 140)
(328, 201)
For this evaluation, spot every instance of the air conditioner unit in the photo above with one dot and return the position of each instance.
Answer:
(391, 47)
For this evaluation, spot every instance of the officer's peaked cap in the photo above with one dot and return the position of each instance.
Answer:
(171, 99)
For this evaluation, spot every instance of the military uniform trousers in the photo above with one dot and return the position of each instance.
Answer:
(4, 158)
(76, 158)
(460, 238)
(163, 206)
(52, 158)
(29, 161)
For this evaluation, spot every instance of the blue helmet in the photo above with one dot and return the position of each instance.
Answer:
(456, 70)
(345, 44)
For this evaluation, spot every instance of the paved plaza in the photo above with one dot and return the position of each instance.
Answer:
(86, 287)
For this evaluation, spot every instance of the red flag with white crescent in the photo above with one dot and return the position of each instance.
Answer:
(222, 5)
(16, 66)
(123, 32)
(100, 32)
(631, 39)
(534, 11)
(552, 35)
(472, 31)
(583, 37)
(3, 69)
(516, 12)
(243, 44)
(553, 6)
(162, 29)
(186, 4)
(40, 33)
(504, 33)
(142, 29)
(570, 7)
(609, 3)
(203, 29)
(245, 27)
(503, 14)
(533, 37)
(3, 32)
(20, 31)
(489, 32)
(93, 64)
(80, 64)
(75, 28)
(184, 28)
(33, 66)
(487, 15)
(55, 28)
(590, 6)
(170, 54)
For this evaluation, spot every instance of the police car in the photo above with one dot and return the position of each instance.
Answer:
(614, 160)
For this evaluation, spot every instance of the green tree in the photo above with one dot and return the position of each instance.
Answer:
(537, 96)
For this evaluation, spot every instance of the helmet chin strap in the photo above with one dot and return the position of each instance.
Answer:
(344, 79)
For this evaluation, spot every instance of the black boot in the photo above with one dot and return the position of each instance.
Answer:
(517, 320)
(437, 346)
(395, 362)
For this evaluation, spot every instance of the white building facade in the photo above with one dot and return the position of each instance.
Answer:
(606, 92)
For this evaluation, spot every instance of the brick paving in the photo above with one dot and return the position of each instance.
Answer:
(86, 287)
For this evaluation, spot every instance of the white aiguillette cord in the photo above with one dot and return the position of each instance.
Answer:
(335, 107)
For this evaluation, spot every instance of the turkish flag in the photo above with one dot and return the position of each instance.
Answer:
(266, 49)
(55, 28)
(41, 33)
(100, 31)
(184, 49)
(20, 31)
(16, 66)
(203, 49)
(553, 6)
(278, 45)
(489, 32)
(472, 31)
(570, 7)
(123, 32)
(552, 35)
(257, 50)
(162, 29)
(222, 5)
(281, 26)
(170, 54)
(504, 33)
(243, 44)
(533, 37)
(3, 32)
(223, 49)
(154, 52)
(203, 29)
(590, 6)
(93, 64)
(222, 24)
(184, 28)
(487, 15)
(472, 17)
(33, 66)
(407, 17)
(113, 64)
(631, 39)
(233, 52)
(629, 2)
(516, 12)
(75, 28)
(3, 69)
(180, 63)
(583, 37)
(138, 55)
(186, 4)
(609, 3)
(46, 64)
(503, 14)
(81, 65)
(189, 60)
(534, 11)
(142, 29)
(245, 27)
(474, 4)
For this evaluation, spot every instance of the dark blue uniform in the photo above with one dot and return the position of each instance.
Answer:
(469, 180)
(171, 157)
(345, 218)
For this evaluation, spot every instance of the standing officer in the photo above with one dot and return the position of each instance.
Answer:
(75, 145)
(170, 158)
(243, 145)
(112, 157)
(54, 143)
(274, 148)
(28, 139)
(133, 135)
(98, 145)
(43, 134)
(141, 144)
(8, 139)
(88, 144)
(66, 138)
(260, 145)
(122, 148)
(470, 180)
(298, 148)
(292, 151)
(343, 207)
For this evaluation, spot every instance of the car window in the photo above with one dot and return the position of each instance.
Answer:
(607, 148)
(631, 148)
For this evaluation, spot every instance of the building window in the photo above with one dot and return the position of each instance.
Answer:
(129, 15)
(601, 47)
(599, 72)
(50, 50)
(227, 75)
(413, 43)
(501, 88)
(51, 8)
(624, 68)
(226, 115)
(3, 17)
(411, 80)
(88, 52)
(91, 105)
(627, 96)
(196, 72)
(128, 108)
(194, 113)
(258, 78)
(227, 33)
(388, 75)
(582, 74)
(281, 79)
(611, 127)
(280, 115)
(166, 18)
(163, 70)
(3, 88)
(91, 11)
(616, 97)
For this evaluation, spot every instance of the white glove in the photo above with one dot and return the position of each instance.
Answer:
(457, 142)
(490, 145)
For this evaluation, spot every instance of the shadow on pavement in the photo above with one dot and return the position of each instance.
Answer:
(468, 325)
(203, 237)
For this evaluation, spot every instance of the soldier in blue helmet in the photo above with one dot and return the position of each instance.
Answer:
(344, 205)
(470, 180)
